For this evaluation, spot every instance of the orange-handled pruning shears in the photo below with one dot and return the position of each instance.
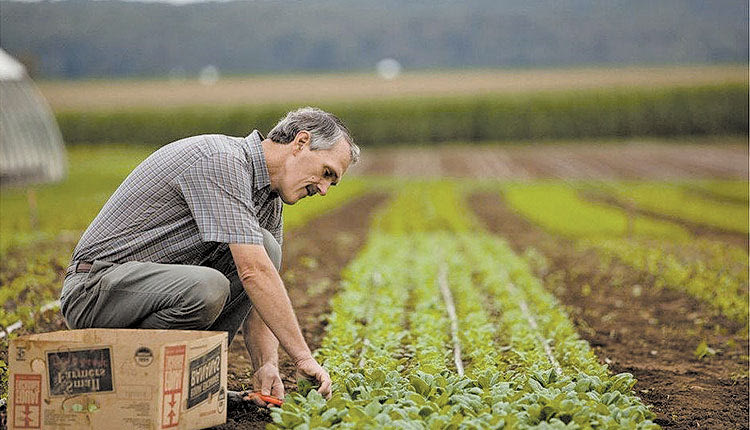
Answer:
(268, 399)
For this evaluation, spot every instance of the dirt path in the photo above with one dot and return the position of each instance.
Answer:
(637, 328)
(313, 258)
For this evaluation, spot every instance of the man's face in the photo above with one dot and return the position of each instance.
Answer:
(308, 172)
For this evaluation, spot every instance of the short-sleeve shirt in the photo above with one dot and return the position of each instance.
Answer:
(185, 201)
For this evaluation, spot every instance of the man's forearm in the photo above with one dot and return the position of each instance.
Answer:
(266, 290)
(260, 341)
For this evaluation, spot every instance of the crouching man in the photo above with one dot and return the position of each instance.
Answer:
(192, 240)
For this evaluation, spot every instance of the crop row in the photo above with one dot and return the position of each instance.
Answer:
(447, 328)
(715, 109)
(709, 271)
(677, 201)
(558, 208)
(725, 189)
(425, 206)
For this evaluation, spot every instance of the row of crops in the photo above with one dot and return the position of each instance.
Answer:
(706, 110)
(441, 325)
(715, 273)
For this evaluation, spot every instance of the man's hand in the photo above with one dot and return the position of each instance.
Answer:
(268, 382)
(310, 369)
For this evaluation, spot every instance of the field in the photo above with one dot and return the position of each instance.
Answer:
(551, 286)
(97, 95)
(517, 249)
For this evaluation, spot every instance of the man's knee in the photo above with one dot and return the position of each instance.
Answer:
(273, 249)
(206, 298)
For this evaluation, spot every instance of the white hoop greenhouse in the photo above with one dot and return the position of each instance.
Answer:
(31, 146)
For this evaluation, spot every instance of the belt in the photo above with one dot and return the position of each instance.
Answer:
(78, 267)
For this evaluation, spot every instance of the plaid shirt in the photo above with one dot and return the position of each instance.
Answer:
(185, 203)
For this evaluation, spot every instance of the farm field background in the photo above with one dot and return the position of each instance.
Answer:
(534, 282)
(111, 95)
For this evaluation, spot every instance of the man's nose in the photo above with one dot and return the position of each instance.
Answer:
(323, 187)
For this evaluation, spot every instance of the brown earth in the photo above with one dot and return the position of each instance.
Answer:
(637, 328)
(693, 158)
(313, 257)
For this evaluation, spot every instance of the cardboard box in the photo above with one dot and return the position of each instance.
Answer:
(112, 379)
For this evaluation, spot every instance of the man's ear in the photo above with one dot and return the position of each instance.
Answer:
(301, 140)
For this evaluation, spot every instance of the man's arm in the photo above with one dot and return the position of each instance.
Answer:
(266, 290)
(260, 341)
(264, 353)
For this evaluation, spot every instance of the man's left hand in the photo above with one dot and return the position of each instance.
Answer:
(267, 381)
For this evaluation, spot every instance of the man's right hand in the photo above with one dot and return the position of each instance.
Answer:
(267, 381)
(310, 369)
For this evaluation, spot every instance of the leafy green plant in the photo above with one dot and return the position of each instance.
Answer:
(703, 350)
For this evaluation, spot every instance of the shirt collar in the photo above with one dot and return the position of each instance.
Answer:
(261, 178)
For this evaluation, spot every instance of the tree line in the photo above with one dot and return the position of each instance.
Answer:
(84, 38)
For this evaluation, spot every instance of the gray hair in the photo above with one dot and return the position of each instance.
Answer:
(325, 130)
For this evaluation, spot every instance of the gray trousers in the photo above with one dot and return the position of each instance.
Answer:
(161, 296)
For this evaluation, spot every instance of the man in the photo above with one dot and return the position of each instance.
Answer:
(192, 240)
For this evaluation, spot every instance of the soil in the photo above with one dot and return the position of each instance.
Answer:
(637, 328)
(633, 159)
(313, 257)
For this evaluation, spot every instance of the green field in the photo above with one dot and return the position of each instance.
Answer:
(449, 314)
(464, 330)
